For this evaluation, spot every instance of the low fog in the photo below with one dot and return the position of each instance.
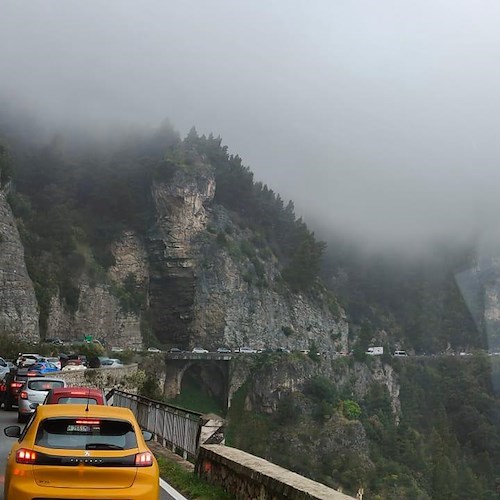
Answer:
(379, 119)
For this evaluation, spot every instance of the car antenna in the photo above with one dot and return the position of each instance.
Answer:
(88, 399)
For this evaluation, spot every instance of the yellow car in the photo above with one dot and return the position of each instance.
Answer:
(81, 452)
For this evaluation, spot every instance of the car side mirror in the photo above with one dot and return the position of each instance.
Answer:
(148, 436)
(13, 431)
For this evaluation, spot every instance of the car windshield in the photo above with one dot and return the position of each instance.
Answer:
(77, 400)
(44, 385)
(86, 434)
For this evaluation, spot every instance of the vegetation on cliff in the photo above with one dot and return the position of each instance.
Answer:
(72, 203)
(445, 442)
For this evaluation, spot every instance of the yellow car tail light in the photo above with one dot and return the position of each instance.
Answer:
(144, 459)
(25, 456)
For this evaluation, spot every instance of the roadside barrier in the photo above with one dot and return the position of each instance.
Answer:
(179, 429)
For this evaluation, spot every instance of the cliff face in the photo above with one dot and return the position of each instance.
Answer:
(280, 413)
(480, 288)
(180, 216)
(196, 277)
(100, 312)
(283, 375)
(18, 305)
(209, 287)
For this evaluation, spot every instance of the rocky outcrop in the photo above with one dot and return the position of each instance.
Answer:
(18, 305)
(99, 314)
(180, 217)
(282, 375)
(240, 298)
(308, 434)
(204, 282)
(130, 259)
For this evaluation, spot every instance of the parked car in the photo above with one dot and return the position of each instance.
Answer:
(245, 350)
(400, 353)
(78, 358)
(108, 449)
(55, 361)
(375, 351)
(111, 363)
(283, 350)
(174, 350)
(153, 349)
(4, 367)
(117, 349)
(25, 360)
(43, 368)
(75, 395)
(73, 365)
(199, 350)
(223, 350)
(96, 361)
(54, 341)
(13, 381)
(33, 393)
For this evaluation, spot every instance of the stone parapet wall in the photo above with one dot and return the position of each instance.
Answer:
(127, 378)
(246, 476)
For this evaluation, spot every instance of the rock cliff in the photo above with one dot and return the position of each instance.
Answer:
(194, 276)
(99, 311)
(18, 305)
(279, 413)
(209, 287)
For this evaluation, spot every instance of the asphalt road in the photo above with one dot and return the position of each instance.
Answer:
(10, 418)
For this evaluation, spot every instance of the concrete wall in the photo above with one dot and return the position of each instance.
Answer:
(246, 476)
(103, 378)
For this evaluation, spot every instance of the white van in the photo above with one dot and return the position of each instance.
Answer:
(400, 353)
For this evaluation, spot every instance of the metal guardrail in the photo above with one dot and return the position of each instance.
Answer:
(173, 427)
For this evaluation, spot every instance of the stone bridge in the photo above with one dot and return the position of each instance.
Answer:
(213, 370)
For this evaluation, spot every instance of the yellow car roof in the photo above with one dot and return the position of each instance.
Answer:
(80, 410)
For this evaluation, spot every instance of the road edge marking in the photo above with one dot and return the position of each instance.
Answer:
(173, 493)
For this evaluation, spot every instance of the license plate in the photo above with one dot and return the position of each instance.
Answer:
(79, 428)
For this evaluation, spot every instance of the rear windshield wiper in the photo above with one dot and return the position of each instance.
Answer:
(102, 446)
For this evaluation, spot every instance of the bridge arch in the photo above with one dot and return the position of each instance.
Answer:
(209, 376)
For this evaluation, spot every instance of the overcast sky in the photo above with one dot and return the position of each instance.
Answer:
(380, 118)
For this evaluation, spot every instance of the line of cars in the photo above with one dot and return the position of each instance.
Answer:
(75, 446)
(18, 381)
(227, 350)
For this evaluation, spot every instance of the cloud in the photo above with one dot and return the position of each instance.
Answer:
(379, 119)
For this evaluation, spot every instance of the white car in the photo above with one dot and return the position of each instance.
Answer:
(400, 353)
(199, 350)
(4, 367)
(27, 359)
(33, 393)
(70, 367)
(246, 350)
(153, 349)
(111, 363)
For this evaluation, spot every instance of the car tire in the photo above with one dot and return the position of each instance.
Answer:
(21, 419)
(7, 406)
